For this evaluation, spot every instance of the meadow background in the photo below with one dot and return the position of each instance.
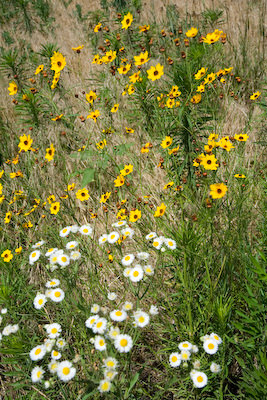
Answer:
(212, 277)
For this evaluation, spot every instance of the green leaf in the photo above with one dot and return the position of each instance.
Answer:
(88, 176)
(132, 383)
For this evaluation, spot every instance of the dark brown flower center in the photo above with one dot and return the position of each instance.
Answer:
(209, 162)
(26, 142)
(156, 73)
(219, 191)
(59, 63)
(127, 21)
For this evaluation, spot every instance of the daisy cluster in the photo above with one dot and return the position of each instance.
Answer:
(109, 333)
(161, 242)
(137, 272)
(210, 345)
(52, 347)
(8, 329)
(115, 236)
(59, 257)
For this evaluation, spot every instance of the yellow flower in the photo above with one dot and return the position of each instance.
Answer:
(39, 69)
(94, 115)
(240, 176)
(196, 99)
(166, 142)
(192, 32)
(160, 210)
(91, 96)
(50, 151)
(127, 170)
(201, 88)
(170, 103)
(77, 49)
(145, 148)
(18, 250)
(209, 162)
(2, 198)
(218, 190)
(174, 92)
(55, 80)
(8, 217)
(123, 69)
(119, 181)
(54, 209)
(135, 215)
(57, 117)
(71, 187)
(1, 174)
(96, 59)
(82, 194)
(97, 28)
(241, 137)
(51, 198)
(25, 143)
(109, 56)
(200, 73)
(127, 21)
(141, 59)
(210, 78)
(105, 197)
(174, 151)
(115, 108)
(144, 28)
(254, 96)
(225, 143)
(101, 145)
(156, 72)
(212, 37)
(168, 185)
(135, 77)
(7, 255)
(58, 62)
(12, 88)
(129, 130)
(121, 214)
(131, 89)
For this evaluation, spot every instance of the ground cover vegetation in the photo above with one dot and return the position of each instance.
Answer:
(133, 204)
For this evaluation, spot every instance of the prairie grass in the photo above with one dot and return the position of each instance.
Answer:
(199, 279)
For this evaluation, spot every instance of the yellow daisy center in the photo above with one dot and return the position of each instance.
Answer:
(123, 342)
(199, 379)
(37, 351)
(66, 371)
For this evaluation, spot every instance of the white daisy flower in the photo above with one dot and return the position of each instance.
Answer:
(103, 238)
(86, 230)
(148, 270)
(205, 337)
(126, 272)
(141, 318)
(63, 260)
(52, 366)
(38, 244)
(110, 374)
(65, 371)
(162, 249)
(49, 343)
(38, 352)
(71, 245)
(7, 330)
(110, 363)
(127, 306)
(113, 237)
(53, 283)
(157, 243)
(185, 355)
(210, 346)
(194, 349)
(199, 379)
(114, 332)
(34, 256)
(175, 359)
(123, 343)
(136, 273)
(55, 355)
(91, 320)
(170, 243)
(53, 330)
(128, 232)
(153, 310)
(185, 346)
(53, 259)
(47, 384)
(216, 337)
(95, 309)
(57, 295)
(61, 343)
(127, 260)
(14, 328)
(65, 231)
(143, 255)
(119, 223)
(104, 386)
(75, 255)
(151, 235)
(112, 296)
(100, 343)
(196, 364)
(118, 315)
(51, 251)
(215, 368)
(37, 374)
(74, 228)
(39, 301)
(4, 311)
(100, 326)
